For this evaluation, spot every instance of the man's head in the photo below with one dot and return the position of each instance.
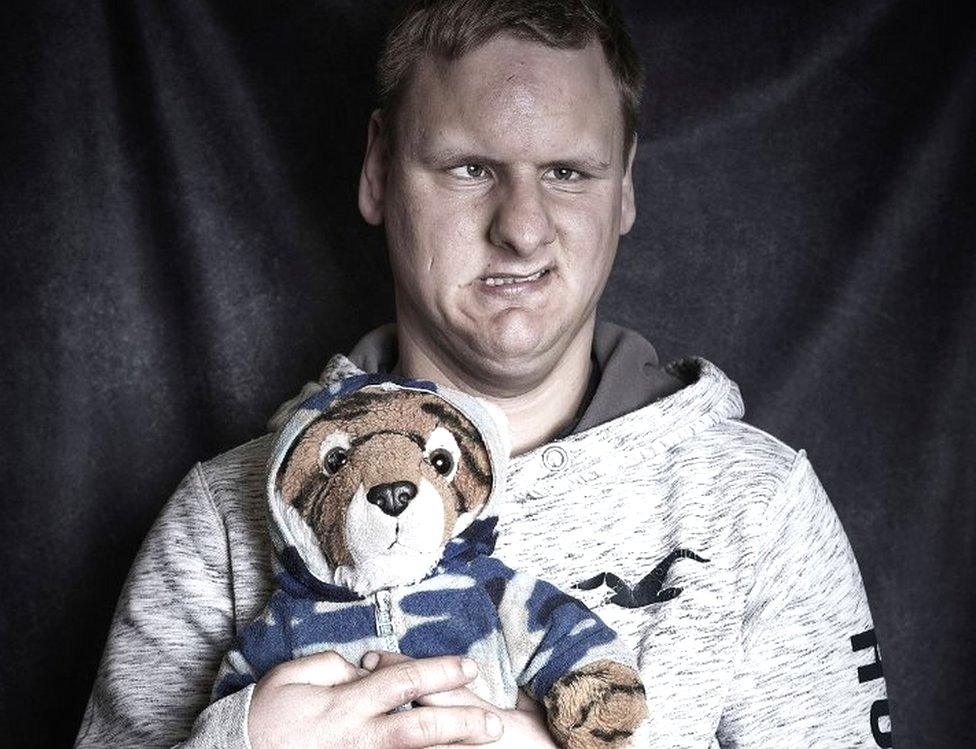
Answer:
(503, 179)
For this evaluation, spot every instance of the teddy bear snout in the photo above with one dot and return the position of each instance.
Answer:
(392, 498)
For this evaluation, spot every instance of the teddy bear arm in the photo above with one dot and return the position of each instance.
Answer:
(260, 646)
(597, 706)
(234, 674)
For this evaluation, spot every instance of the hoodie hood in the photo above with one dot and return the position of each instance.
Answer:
(301, 565)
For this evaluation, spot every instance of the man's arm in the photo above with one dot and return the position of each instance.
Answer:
(810, 673)
(172, 624)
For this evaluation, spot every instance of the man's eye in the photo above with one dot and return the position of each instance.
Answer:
(564, 174)
(470, 171)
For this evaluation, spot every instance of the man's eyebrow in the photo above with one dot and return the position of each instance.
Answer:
(587, 164)
(452, 156)
(456, 156)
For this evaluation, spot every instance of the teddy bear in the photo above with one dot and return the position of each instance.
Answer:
(380, 504)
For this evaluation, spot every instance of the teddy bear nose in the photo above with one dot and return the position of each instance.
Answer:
(392, 498)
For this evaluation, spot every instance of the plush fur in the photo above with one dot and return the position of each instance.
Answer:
(598, 706)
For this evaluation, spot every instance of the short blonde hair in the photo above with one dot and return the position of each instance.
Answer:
(451, 28)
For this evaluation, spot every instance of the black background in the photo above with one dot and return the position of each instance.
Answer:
(182, 250)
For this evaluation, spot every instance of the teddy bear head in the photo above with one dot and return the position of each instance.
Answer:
(381, 477)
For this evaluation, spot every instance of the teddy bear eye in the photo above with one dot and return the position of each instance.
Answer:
(442, 461)
(335, 459)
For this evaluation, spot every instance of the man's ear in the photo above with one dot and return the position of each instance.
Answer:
(628, 208)
(372, 178)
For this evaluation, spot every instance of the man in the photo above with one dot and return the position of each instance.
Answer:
(499, 163)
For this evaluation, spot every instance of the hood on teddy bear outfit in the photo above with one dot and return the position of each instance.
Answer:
(300, 563)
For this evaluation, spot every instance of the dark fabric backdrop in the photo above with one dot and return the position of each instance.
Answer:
(182, 250)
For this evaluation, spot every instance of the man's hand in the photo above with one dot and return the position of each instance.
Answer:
(525, 726)
(324, 701)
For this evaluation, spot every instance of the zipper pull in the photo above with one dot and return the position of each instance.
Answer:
(384, 613)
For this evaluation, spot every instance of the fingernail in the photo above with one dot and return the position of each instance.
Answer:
(370, 660)
(469, 667)
(493, 725)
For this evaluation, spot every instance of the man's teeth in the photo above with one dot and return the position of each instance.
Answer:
(502, 280)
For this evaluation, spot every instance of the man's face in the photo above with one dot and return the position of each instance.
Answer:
(503, 197)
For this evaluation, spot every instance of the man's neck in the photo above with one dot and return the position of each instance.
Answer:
(536, 412)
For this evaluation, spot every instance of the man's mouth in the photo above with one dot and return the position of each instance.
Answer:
(505, 279)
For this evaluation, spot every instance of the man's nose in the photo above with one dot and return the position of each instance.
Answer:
(521, 222)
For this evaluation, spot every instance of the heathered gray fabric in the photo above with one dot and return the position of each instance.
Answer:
(753, 651)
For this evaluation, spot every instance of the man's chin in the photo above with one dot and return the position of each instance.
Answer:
(510, 350)
(513, 334)
(502, 351)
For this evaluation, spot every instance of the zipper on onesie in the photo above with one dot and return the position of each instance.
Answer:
(385, 629)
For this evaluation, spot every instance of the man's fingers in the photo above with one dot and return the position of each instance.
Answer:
(460, 697)
(432, 726)
(388, 688)
(326, 669)
(375, 660)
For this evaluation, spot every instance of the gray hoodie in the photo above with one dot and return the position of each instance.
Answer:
(709, 546)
